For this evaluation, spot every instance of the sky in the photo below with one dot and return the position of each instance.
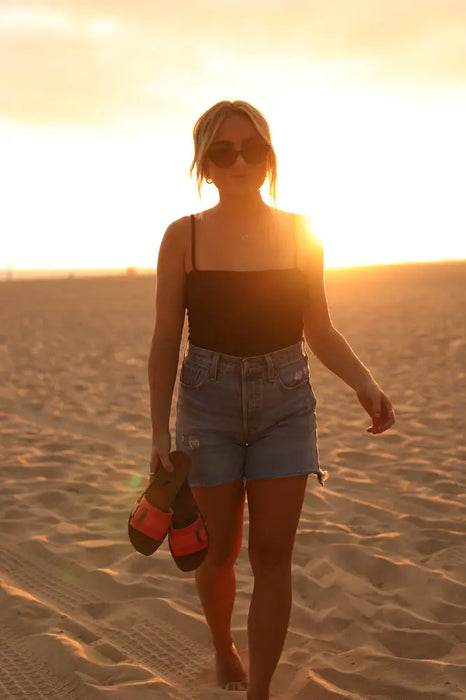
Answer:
(366, 100)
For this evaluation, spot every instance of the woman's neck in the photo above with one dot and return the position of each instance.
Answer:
(242, 208)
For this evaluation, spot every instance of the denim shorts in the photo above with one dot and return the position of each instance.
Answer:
(247, 417)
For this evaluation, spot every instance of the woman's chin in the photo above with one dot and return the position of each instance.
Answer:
(243, 185)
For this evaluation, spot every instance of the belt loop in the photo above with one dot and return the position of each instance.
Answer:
(213, 367)
(270, 368)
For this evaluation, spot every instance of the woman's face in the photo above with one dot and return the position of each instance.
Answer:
(239, 178)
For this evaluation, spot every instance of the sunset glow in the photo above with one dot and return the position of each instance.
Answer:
(367, 108)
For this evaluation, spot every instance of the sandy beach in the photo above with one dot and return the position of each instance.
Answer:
(379, 609)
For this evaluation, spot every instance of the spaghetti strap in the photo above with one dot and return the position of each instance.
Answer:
(193, 236)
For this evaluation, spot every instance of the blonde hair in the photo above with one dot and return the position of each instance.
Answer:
(205, 130)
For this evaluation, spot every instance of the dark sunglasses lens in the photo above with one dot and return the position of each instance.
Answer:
(254, 153)
(222, 157)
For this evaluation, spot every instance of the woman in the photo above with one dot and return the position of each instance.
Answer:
(251, 279)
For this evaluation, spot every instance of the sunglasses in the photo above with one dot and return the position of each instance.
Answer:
(224, 156)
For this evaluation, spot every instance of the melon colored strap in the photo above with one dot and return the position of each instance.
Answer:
(190, 539)
(150, 520)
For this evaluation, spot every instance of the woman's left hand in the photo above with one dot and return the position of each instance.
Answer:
(378, 406)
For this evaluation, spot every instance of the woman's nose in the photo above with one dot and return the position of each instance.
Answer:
(239, 156)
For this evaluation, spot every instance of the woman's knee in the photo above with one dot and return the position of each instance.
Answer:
(270, 561)
(224, 551)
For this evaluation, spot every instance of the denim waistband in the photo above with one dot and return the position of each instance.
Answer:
(272, 360)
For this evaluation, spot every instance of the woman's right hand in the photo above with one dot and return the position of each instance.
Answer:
(159, 456)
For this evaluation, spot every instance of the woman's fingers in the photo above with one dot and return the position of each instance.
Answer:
(165, 462)
(161, 461)
(383, 416)
(378, 406)
(159, 456)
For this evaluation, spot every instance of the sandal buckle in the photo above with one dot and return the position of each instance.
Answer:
(138, 507)
(201, 534)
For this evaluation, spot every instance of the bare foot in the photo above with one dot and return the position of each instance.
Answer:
(230, 670)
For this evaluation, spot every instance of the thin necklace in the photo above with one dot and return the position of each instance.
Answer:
(245, 235)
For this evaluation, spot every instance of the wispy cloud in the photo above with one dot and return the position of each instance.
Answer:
(97, 60)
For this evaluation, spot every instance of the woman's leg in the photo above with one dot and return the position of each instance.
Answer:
(274, 510)
(223, 508)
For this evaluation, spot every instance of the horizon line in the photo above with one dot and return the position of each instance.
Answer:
(11, 274)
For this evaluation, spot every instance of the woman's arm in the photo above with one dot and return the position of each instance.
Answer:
(164, 352)
(329, 346)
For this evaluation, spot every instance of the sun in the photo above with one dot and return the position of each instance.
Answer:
(377, 188)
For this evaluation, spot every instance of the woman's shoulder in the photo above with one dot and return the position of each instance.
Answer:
(309, 246)
(177, 233)
(306, 230)
(179, 226)
(182, 226)
(302, 225)
(293, 217)
(176, 238)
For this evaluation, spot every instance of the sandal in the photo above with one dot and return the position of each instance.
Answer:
(150, 518)
(187, 537)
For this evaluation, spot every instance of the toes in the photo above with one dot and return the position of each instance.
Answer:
(236, 685)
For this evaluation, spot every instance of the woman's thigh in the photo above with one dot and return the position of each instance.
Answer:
(222, 507)
(274, 511)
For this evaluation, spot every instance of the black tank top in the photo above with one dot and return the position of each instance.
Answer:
(244, 313)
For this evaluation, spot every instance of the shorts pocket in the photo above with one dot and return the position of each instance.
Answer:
(294, 375)
(193, 376)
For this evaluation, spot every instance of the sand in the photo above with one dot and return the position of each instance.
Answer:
(379, 605)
